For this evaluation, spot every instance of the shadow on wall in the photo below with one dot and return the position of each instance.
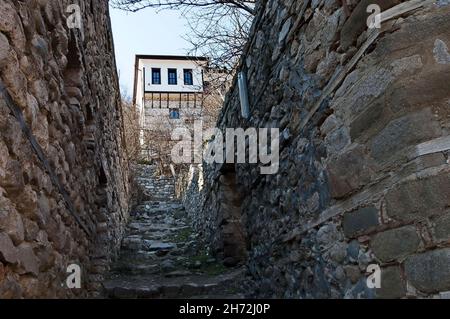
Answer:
(234, 247)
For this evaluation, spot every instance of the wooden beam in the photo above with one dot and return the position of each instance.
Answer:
(436, 145)
(404, 8)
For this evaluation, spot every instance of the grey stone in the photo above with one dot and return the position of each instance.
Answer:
(408, 130)
(8, 253)
(160, 246)
(440, 51)
(27, 259)
(41, 46)
(392, 284)
(11, 222)
(167, 265)
(284, 30)
(429, 272)
(327, 235)
(418, 199)
(360, 220)
(395, 243)
(360, 290)
(364, 258)
(4, 49)
(353, 250)
(369, 117)
(353, 273)
(329, 124)
(442, 228)
(337, 140)
(338, 252)
(350, 171)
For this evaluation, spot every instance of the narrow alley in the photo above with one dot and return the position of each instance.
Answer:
(347, 101)
(161, 257)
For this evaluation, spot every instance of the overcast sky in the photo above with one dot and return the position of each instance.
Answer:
(145, 32)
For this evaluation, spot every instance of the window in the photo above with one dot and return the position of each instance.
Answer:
(188, 80)
(173, 76)
(156, 76)
(174, 114)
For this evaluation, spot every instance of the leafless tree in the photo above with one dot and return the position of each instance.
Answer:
(131, 127)
(219, 33)
(136, 5)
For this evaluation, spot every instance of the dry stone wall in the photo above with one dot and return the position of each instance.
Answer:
(63, 178)
(364, 177)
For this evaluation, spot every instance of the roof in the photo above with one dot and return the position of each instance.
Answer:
(170, 57)
(160, 57)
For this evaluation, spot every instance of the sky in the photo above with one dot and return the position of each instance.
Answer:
(148, 31)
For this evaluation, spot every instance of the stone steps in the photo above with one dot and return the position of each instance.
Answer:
(161, 258)
(178, 287)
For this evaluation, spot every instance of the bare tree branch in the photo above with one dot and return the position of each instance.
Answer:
(217, 29)
(136, 5)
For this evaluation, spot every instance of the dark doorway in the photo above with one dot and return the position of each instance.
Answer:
(230, 217)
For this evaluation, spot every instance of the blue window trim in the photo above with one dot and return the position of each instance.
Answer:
(156, 79)
(188, 77)
(170, 78)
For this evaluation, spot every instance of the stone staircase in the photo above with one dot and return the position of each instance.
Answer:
(158, 188)
(161, 257)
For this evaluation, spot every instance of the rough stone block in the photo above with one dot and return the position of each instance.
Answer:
(405, 131)
(27, 201)
(442, 228)
(336, 140)
(360, 220)
(369, 117)
(429, 272)
(395, 243)
(418, 199)
(13, 182)
(4, 49)
(28, 261)
(349, 171)
(8, 253)
(10, 221)
(393, 286)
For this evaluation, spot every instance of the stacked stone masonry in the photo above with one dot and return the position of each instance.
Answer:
(364, 174)
(63, 175)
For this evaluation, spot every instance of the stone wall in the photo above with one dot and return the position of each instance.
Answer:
(364, 174)
(154, 186)
(63, 180)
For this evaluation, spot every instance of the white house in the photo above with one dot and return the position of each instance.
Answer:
(168, 82)
(168, 91)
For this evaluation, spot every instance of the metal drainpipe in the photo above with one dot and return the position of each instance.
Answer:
(243, 94)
